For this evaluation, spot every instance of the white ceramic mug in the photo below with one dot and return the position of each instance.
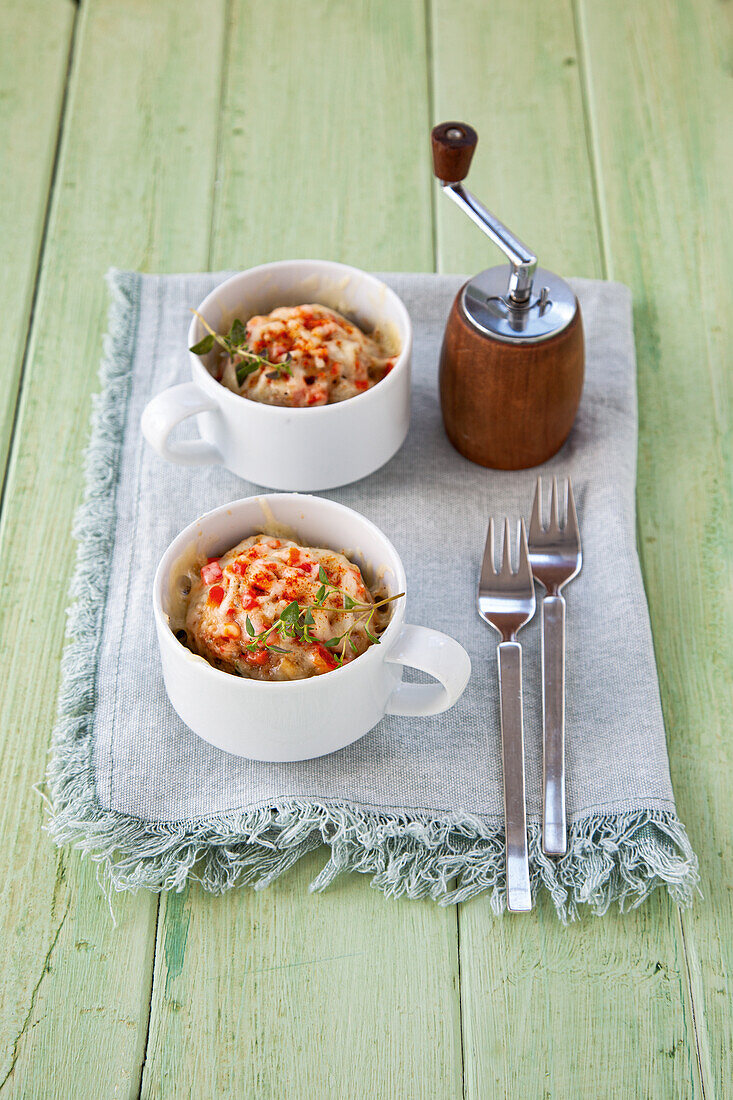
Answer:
(299, 719)
(283, 448)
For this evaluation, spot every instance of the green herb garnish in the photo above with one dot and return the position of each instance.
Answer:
(282, 368)
(235, 345)
(295, 621)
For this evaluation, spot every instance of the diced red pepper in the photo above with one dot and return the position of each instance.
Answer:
(240, 568)
(327, 657)
(211, 572)
(249, 603)
(216, 594)
(306, 567)
(259, 657)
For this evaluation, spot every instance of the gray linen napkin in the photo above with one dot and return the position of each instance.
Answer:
(417, 803)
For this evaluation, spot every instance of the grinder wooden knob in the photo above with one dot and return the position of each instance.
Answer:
(454, 144)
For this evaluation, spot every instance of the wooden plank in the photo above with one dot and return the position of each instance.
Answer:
(133, 187)
(597, 1009)
(661, 103)
(544, 1007)
(39, 38)
(285, 994)
(327, 159)
(282, 993)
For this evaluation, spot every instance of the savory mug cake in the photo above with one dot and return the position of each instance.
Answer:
(270, 609)
(299, 356)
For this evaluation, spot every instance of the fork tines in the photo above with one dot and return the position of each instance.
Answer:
(555, 526)
(506, 600)
(488, 564)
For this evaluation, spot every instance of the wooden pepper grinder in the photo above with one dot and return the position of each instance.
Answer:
(511, 366)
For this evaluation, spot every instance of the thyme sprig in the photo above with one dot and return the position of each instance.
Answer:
(235, 344)
(296, 621)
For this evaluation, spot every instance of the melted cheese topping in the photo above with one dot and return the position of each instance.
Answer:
(256, 580)
(330, 359)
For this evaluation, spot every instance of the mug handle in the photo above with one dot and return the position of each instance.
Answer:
(437, 654)
(165, 412)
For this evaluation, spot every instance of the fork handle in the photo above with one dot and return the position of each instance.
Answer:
(554, 823)
(519, 895)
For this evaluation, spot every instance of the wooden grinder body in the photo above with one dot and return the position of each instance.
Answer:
(509, 405)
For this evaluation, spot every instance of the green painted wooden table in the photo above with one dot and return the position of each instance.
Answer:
(170, 135)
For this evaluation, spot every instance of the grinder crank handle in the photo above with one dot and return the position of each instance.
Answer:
(454, 144)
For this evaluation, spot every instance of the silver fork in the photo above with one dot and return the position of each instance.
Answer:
(506, 601)
(556, 557)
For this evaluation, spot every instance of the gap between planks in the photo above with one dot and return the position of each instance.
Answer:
(223, 76)
(144, 1059)
(703, 1078)
(432, 121)
(593, 157)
